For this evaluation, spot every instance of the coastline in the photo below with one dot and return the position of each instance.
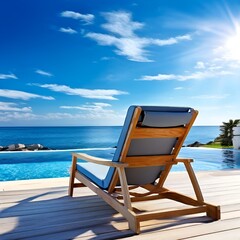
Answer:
(46, 149)
(102, 149)
(59, 150)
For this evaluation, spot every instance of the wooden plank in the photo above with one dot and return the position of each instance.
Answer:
(169, 214)
(45, 230)
(124, 187)
(54, 205)
(43, 195)
(72, 175)
(33, 184)
(62, 215)
(230, 234)
(194, 181)
(99, 231)
(97, 160)
(145, 132)
(142, 161)
(189, 230)
(181, 140)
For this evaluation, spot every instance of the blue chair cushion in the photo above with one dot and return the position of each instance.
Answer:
(165, 119)
(96, 173)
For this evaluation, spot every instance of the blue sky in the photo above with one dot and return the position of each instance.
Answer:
(75, 62)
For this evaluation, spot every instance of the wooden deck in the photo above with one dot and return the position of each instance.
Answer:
(41, 209)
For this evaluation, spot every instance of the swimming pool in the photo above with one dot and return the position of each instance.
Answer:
(54, 164)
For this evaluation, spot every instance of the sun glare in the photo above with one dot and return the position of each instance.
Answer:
(233, 45)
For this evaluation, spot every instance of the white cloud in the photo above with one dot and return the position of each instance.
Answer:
(8, 76)
(120, 23)
(67, 30)
(184, 37)
(89, 117)
(90, 114)
(200, 65)
(178, 88)
(86, 18)
(105, 59)
(169, 41)
(98, 104)
(9, 116)
(191, 76)
(94, 107)
(9, 106)
(159, 77)
(107, 94)
(57, 116)
(132, 48)
(44, 73)
(126, 41)
(234, 65)
(14, 94)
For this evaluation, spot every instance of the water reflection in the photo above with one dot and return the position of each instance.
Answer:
(231, 158)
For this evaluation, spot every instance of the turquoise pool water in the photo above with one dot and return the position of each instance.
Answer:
(54, 164)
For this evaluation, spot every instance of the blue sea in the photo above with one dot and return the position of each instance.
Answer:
(98, 141)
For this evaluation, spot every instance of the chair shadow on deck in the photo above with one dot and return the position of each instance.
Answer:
(48, 216)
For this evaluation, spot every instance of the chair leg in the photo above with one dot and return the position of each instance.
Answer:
(124, 187)
(194, 181)
(134, 225)
(164, 175)
(213, 212)
(72, 176)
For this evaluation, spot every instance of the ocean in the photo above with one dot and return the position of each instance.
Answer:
(85, 137)
(98, 141)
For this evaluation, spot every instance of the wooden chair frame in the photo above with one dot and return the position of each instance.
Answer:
(121, 197)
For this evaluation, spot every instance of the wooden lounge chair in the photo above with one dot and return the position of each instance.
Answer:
(148, 146)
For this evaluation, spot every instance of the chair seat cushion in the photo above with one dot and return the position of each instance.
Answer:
(99, 174)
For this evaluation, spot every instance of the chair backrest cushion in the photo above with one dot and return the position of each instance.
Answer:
(165, 119)
(120, 144)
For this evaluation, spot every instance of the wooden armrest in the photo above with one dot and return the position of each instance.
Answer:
(184, 160)
(98, 160)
